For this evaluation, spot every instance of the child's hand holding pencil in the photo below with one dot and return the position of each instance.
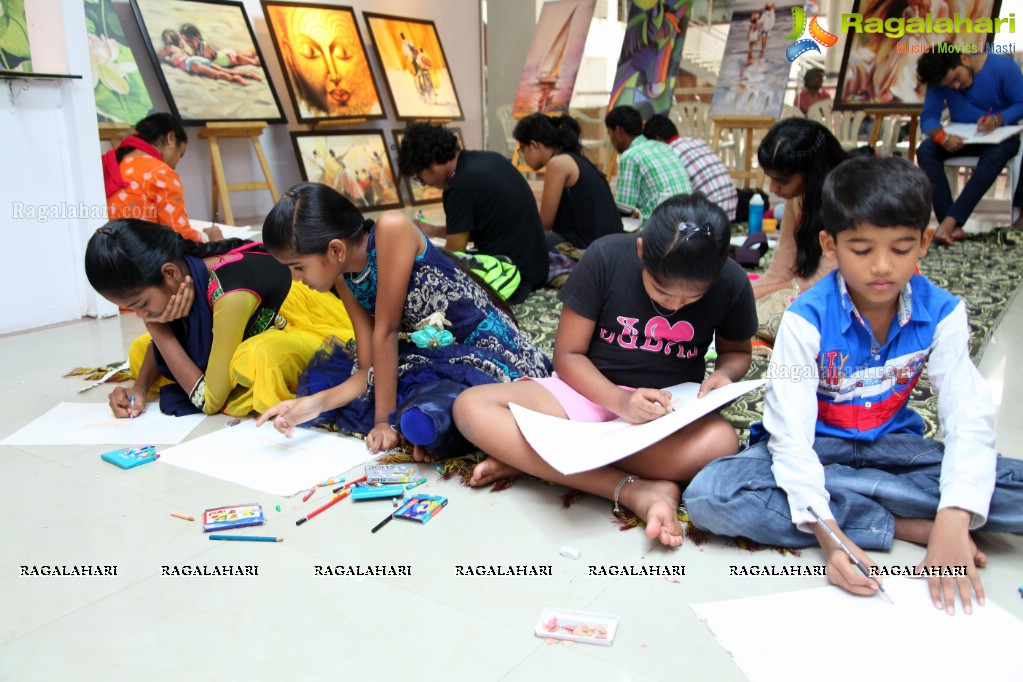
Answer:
(645, 405)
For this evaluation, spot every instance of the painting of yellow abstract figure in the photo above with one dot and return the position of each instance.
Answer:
(324, 61)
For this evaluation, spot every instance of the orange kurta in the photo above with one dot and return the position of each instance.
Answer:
(153, 193)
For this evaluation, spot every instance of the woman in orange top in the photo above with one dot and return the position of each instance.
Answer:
(140, 178)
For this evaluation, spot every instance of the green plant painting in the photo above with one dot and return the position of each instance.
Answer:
(14, 52)
(120, 93)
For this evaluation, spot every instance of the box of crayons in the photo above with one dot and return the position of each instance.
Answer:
(391, 473)
(236, 516)
(421, 508)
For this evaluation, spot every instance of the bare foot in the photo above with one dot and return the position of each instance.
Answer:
(490, 470)
(958, 234)
(656, 502)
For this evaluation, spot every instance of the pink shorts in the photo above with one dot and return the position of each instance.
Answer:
(577, 406)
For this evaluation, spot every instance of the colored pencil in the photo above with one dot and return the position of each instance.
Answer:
(249, 538)
(182, 515)
(337, 498)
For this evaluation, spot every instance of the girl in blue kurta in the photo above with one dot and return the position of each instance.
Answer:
(424, 327)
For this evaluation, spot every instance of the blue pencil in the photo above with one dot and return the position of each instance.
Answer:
(249, 538)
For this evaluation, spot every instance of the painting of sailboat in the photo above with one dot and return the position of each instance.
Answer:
(553, 58)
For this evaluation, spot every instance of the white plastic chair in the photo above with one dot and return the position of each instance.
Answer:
(692, 119)
(844, 124)
(953, 164)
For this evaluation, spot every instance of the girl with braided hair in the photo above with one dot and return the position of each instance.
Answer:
(227, 329)
(796, 154)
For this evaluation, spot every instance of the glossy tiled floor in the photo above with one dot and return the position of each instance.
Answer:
(62, 505)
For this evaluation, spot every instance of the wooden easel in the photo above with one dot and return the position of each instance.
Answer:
(114, 133)
(214, 132)
(747, 125)
(881, 113)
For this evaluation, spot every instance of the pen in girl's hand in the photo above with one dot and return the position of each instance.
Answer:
(131, 406)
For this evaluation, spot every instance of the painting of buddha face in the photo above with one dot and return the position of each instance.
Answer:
(324, 61)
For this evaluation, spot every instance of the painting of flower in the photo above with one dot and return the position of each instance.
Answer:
(120, 93)
(14, 50)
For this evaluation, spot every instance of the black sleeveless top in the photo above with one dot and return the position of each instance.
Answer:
(587, 210)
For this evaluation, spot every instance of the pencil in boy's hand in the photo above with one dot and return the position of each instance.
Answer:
(852, 557)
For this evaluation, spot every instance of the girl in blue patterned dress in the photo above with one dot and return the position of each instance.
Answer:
(424, 328)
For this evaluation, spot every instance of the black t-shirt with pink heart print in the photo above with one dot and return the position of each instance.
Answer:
(635, 344)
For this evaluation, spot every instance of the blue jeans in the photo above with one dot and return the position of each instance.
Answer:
(931, 157)
(869, 483)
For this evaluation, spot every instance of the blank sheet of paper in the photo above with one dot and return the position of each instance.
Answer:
(574, 446)
(95, 424)
(266, 460)
(828, 634)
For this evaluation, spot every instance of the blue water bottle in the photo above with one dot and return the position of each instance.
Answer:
(756, 214)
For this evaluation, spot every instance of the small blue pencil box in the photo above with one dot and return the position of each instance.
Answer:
(126, 458)
(372, 492)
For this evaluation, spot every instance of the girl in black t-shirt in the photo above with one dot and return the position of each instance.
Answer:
(577, 205)
(639, 314)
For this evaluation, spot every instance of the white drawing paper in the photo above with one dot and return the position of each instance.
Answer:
(95, 424)
(827, 633)
(264, 459)
(574, 446)
(968, 131)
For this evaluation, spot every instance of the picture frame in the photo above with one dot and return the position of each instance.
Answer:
(214, 74)
(415, 68)
(354, 162)
(324, 61)
(121, 95)
(879, 72)
(420, 195)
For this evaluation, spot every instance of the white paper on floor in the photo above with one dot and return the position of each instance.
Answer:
(827, 633)
(266, 460)
(95, 424)
(574, 446)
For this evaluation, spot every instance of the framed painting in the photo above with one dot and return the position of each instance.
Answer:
(207, 60)
(15, 54)
(354, 162)
(324, 61)
(754, 69)
(878, 71)
(651, 52)
(415, 68)
(553, 59)
(421, 194)
(121, 96)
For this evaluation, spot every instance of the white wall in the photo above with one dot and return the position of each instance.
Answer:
(50, 152)
(458, 24)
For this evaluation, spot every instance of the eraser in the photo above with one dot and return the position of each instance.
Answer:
(571, 552)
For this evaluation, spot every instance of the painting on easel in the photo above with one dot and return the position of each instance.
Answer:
(878, 71)
(553, 58)
(324, 61)
(651, 52)
(207, 60)
(354, 162)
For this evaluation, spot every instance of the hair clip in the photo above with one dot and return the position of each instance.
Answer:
(687, 230)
